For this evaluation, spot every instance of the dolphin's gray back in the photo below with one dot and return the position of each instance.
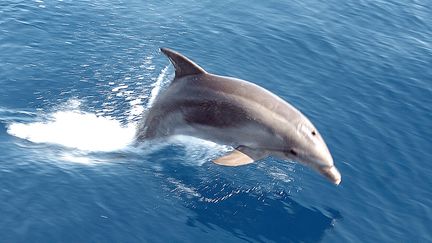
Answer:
(202, 105)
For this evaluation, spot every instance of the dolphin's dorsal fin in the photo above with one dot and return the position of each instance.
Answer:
(183, 66)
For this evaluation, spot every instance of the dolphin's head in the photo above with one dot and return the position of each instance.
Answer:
(307, 146)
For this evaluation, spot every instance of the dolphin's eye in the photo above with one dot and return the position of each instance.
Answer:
(313, 133)
(293, 152)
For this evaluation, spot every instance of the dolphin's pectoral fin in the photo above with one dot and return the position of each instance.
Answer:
(242, 155)
(235, 158)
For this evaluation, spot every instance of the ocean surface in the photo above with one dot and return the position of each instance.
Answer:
(76, 75)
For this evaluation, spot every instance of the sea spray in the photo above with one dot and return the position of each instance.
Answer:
(77, 129)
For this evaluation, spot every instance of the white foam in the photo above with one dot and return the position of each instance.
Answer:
(76, 129)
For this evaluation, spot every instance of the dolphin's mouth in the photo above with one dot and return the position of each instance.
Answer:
(331, 173)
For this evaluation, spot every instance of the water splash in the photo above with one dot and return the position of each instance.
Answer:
(199, 151)
(71, 127)
(77, 129)
(157, 86)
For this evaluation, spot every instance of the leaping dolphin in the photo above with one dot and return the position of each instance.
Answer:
(234, 112)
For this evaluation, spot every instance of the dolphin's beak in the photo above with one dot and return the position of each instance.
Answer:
(331, 173)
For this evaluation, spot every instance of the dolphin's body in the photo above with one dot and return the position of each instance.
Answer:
(234, 112)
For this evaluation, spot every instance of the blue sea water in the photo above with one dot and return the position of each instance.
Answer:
(76, 75)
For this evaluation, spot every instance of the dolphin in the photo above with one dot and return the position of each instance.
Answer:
(235, 112)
